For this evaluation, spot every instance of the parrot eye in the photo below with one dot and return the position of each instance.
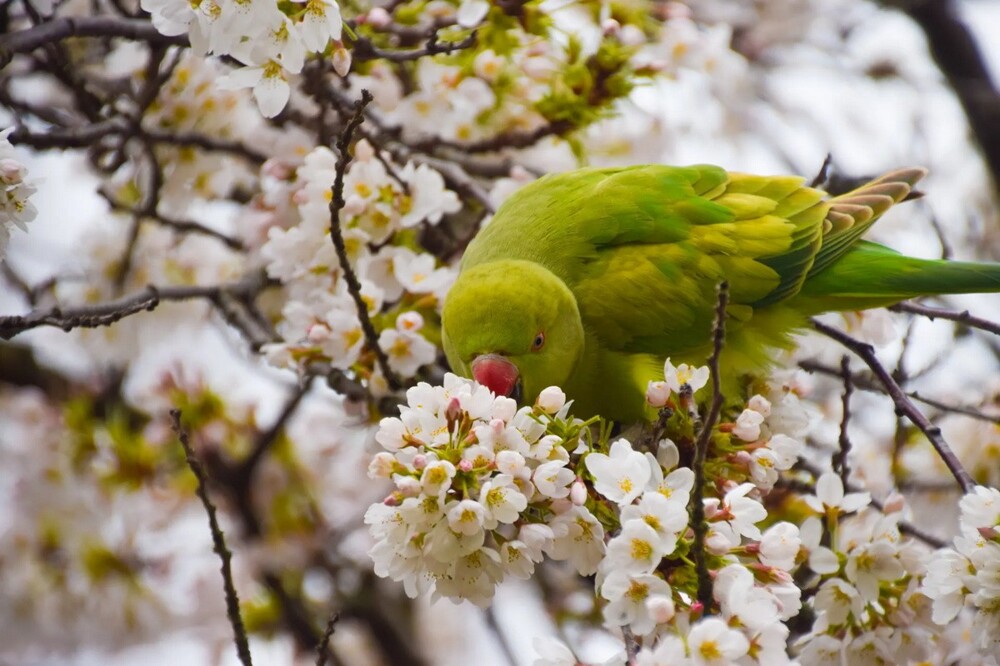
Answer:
(538, 342)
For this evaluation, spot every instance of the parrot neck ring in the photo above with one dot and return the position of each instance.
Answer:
(498, 375)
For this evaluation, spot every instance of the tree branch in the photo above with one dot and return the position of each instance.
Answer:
(82, 26)
(701, 451)
(963, 317)
(219, 541)
(105, 314)
(957, 55)
(903, 403)
(336, 205)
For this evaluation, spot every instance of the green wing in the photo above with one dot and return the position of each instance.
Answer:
(643, 248)
(654, 291)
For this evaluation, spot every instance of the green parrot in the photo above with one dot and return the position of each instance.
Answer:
(590, 279)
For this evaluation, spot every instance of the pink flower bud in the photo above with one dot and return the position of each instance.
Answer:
(578, 493)
(894, 503)
(276, 168)
(610, 27)
(318, 333)
(661, 608)
(465, 466)
(11, 171)
(988, 533)
(657, 394)
(419, 461)
(742, 458)
(341, 58)
(392, 500)
(409, 321)
(377, 17)
(453, 411)
(408, 486)
(551, 399)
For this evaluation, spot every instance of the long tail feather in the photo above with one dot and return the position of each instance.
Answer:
(871, 275)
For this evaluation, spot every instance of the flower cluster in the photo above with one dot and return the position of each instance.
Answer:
(482, 490)
(269, 38)
(757, 448)
(969, 574)
(400, 287)
(15, 209)
(867, 603)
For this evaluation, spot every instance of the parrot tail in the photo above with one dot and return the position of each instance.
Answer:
(870, 275)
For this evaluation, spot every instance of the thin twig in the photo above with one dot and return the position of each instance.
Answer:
(219, 541)
(840, 458)
(903, 403)
(268, 437)
(701, 451)
(963, 317)
(363, 49)
(631, 645)
(323, 647)
(336, 205)
(82, 26)
(866, 383)
(105, 314)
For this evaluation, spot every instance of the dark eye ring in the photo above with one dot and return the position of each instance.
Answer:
(538, 342)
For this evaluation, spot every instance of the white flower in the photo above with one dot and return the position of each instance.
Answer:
(667, 518)
(669, 651)
(515, 560)
(763, 469)
(466, 516)
(822, 650)
(436, 477)
(627, 594)
(759, 403)
(741, 513)
(473, 577)
(622, 476)
(579, 538)
(537, 539)
(830, 496)
(947, 572)
(552, 479)
(980, 508)
(657, 393)
(417, 274)
(712, 643)
(552, 652)
(838, 599)
(870, 563)
(747, 425)
(551, 399)
(15, 209)
(472, 12)
(779, 546)
(320, 23)
(786, 451)
(503, 501)
(269, 83)
(406, 351)
(682, 375)
(636, 549)
(740, 598)
(430, 200)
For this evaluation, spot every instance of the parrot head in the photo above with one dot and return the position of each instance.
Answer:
(514, 327)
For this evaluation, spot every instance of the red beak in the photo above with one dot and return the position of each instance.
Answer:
(495, 373)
